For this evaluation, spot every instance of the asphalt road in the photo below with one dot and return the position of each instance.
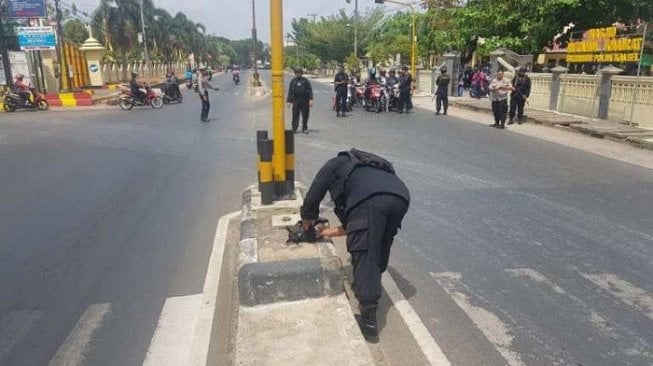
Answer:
(514, 251)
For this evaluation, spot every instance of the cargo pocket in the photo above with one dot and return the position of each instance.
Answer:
(357, 234)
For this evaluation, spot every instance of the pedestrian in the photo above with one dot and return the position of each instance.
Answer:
(340, 83)
(300, 96)
(203, 86)
(442, 91)
(370, 202)
(461, 82)
(522, 91)
(499, 89)
(405, 86)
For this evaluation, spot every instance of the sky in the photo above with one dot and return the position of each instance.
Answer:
(233, 18)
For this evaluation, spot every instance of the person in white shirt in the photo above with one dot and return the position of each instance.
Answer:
(203, 87)
(499, 89)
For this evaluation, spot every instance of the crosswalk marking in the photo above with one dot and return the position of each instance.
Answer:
(624, 291)
(536, 276)
(497, 332)
(72, 351)
(14, 327)
(173, 337)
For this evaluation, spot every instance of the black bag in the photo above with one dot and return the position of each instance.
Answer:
(296, 233)
(364, 158)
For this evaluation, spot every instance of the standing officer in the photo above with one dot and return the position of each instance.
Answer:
(371, 202)
(341, 81)
(405, 85)
(499, 89)
(203, 87)
(442, 92)
(300, 95)
(522, 84)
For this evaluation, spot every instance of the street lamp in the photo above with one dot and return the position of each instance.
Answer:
(355, 26)
(147, 56)
(413, 68)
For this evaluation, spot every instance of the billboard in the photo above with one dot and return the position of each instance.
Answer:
(605, 45)
(27, 9)
(36, 38)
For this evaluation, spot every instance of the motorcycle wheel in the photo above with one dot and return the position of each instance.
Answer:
(156, 103)
(9, 107)
(126, 104)
(166, 99)
(377, 106)
(43, 105)
(180, 99)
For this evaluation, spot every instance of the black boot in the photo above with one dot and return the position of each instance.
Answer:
(368, 323)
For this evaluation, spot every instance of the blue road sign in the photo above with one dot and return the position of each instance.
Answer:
(36, 38)
(27, 9)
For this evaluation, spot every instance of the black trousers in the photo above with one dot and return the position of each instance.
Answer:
(206, 105)
(405, 103)
(297, 108)
(517, 103)
(371, 228)
(341, 100)
(500, 111)
(441, 101)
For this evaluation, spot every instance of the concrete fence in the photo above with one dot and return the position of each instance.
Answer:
(116, 73)
(605, 95)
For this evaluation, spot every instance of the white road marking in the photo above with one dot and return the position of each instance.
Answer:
(173, 338)
(497, 332)
(73, 350)
(429, 347)
(624, 291)
(202, 337)
(536, 276)
(14, 327)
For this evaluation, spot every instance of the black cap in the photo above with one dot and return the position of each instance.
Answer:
(298, 70)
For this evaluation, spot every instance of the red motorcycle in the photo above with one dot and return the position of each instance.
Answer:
(377, 99)
(128, 100)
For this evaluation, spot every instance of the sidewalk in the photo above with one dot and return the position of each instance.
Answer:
(292, 306)
(636, 136)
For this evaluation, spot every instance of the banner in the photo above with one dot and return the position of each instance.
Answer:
(605, 45)
(27, 9)
(36, 38)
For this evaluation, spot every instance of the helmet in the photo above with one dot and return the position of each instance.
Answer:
(382, 72)
(443, 69)
(521, 70)
(392, 71)
(20, 76)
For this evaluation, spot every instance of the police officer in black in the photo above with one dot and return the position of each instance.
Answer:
(405, 85)
(300, 95)
(370, 202)
(522, 84)
(340, 83)
(442, 92)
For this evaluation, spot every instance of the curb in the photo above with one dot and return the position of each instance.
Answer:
(285, 280)
(578, 127)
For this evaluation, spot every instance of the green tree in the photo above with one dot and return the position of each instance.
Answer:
(75, 31)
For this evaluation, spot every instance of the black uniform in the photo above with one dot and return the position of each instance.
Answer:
(405, 84)
(340, 81)
(442, 93)
(370, 204)
(522, 84)
(300, 93)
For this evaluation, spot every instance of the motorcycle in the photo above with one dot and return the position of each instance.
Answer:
(236, 78)
(377, 99)
(189, 84)
(171, 93)
(128, 100)
(393, 97)
(13, 101)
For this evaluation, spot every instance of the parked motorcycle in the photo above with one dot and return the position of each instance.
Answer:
(171, 93)
(13, 101)
(393, 97)
(377, 99)
(128, 100)
(236, 79)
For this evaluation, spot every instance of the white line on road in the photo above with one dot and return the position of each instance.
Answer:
(496, 331)
(13, 329)
(73, 350)
(173, 338)
(429, 347)
(624, 291)
(201, 340)
(536, 276)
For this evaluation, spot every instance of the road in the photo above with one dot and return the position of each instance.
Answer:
(515, 250)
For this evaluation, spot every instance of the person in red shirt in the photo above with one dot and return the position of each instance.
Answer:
(22, 88)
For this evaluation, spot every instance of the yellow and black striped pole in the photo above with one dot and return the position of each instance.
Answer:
(260, 136)
(266, 184)
(290, 162)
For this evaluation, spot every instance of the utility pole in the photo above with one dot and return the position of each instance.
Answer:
(355, 26)
(64, 73)
(278, 122)
(254, 46)
(5, 51)
(147, 56)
